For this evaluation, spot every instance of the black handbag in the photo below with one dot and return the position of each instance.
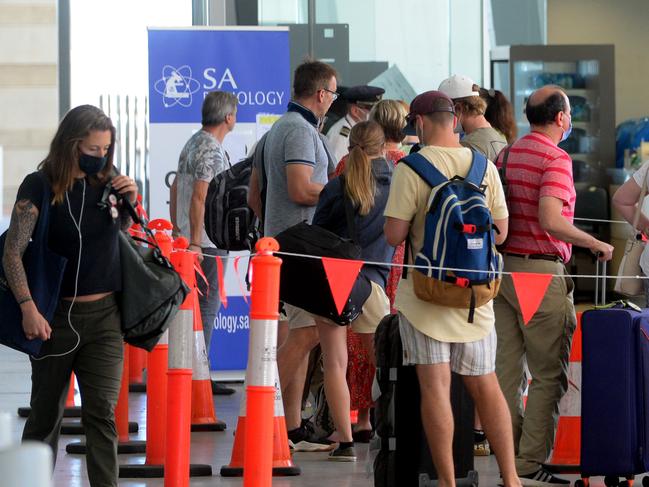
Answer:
(44, 270)
(152, 291)
(303, 280)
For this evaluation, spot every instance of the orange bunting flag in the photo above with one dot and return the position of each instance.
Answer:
(236, 271)
(530, 289)
(342, 274)
(219, 273)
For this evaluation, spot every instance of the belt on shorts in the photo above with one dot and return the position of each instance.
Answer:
(550, 257)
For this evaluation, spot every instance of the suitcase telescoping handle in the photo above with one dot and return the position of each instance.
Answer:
(600, 281)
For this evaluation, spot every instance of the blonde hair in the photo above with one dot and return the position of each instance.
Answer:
(391, 116)
(472, 105)
(360, 187)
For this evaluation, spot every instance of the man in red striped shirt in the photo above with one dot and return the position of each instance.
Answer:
(541, 199)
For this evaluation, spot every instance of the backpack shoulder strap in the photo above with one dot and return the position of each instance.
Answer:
(502, 171)
(424, 169)
(478, 168)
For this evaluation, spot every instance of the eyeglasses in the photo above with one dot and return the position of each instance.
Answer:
(334, 95)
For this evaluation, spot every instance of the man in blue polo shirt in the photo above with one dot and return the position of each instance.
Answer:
(296, 165)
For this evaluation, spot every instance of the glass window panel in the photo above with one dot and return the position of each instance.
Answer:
(466, 39)
(273, 12)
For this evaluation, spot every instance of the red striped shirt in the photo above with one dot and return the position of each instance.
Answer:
(536, 167)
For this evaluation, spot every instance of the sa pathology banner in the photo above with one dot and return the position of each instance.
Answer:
(184, 65)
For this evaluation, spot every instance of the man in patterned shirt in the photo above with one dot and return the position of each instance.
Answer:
(541, 201)
(202, 158)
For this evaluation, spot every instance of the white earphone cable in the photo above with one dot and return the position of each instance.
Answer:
(77, 225)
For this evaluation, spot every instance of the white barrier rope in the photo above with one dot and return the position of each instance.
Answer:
(597, 220)
(413, 266)
(434, 268)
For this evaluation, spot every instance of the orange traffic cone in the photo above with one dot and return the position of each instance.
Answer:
(567, 442)
(203, 414)
(283, 465)
(177, 467)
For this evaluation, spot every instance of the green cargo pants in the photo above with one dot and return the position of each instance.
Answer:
(97, 363)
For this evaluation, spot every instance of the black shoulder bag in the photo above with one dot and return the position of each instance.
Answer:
(303, 280)
(152, 291)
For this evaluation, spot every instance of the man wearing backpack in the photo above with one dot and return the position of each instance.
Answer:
(541, 198)
(202, 158)
(438, 338)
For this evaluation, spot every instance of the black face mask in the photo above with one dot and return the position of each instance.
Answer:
(91, 165)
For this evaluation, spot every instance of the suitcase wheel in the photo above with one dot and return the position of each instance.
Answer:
(645, 481)
(611, 481)
(585, 482)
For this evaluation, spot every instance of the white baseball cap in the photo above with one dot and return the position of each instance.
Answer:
(458, 86)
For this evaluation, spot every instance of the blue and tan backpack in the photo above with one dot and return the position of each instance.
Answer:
(458, 265)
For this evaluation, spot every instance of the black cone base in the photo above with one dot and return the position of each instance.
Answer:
(76, 428)
(137, 387)
(218, 426)
(157, 471)
(227, 471)
(135, 471)
(71, 412)
(220, 389)
(555, 468)
(123, 447)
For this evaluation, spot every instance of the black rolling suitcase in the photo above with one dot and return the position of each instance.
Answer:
(403, 458)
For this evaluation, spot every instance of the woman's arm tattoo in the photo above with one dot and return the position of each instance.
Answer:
(23, 221)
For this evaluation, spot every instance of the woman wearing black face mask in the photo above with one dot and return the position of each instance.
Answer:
(85, 335)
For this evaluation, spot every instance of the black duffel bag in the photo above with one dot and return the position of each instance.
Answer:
(303, 281)
(152, 291)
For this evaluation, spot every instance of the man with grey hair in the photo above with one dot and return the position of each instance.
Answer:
(202, 158)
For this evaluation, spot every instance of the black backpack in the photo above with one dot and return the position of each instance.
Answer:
(229, 222)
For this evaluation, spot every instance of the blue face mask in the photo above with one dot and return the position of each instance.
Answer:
(566, 133)
(91, 165)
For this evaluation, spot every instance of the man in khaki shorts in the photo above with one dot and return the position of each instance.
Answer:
(438, 339)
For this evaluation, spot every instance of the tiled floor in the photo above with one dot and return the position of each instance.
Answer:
(207, 448)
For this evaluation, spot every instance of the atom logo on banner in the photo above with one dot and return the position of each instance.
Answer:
(177, 86)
